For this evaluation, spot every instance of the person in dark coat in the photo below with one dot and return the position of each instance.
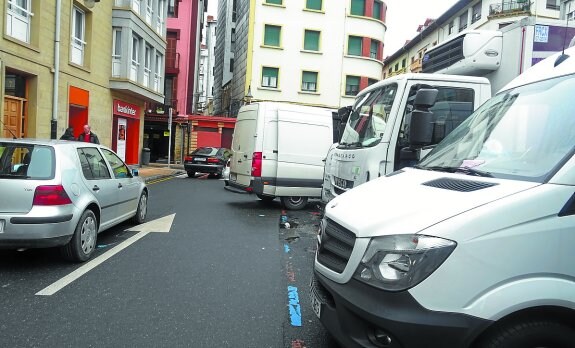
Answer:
(68, 134)
(88, 136)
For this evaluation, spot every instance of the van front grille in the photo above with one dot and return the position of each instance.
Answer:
(336, 246)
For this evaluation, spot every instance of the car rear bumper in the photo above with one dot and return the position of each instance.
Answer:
(354, 313)
(41, 227)
(203, 168)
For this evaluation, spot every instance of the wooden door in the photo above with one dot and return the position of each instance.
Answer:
(14, 124)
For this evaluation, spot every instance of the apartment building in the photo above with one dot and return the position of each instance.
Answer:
(207, 63)
(312, 52)
(69, 63)
(466, 15)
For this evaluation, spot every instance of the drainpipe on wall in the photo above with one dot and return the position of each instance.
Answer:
(54, 121)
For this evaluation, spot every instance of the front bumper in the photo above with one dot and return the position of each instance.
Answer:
(203, 168)
(356, 313)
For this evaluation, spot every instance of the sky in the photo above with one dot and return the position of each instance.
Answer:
(403, 18)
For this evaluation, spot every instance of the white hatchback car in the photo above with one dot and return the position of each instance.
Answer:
(63, 193)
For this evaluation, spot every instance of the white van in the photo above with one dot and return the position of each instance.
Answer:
(278, 151)
(475, 246)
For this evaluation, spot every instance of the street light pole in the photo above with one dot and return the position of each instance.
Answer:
(170, 136)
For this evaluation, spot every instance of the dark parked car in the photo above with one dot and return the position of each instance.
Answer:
(211, 160)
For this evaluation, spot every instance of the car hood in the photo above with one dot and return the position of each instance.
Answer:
(412, 200)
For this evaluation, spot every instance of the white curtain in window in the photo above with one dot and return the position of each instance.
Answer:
(18, 19)
(117, 53)
(147, 66)
(78, 36)
(135, 58)
(158, 74)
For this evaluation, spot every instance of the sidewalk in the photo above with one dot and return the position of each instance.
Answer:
(155, 171)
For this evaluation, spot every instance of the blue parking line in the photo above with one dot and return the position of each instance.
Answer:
(294, 307)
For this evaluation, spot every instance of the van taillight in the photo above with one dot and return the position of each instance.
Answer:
(51, 195)
(257, 164)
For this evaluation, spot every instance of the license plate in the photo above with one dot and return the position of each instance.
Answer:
(340, 182)
(316, 305)
(233, 177)
(199, 159)
(2, 222)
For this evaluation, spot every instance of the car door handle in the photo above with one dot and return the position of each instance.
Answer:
(95, 188)
(120, 185)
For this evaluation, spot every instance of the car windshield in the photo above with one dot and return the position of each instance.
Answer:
(368, 119)
(206, 151)
(525, 133)
(26, 161)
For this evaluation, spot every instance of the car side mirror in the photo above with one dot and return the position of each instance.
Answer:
(421, 123)
(135, 172)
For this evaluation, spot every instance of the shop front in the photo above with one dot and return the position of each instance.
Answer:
(126, 131)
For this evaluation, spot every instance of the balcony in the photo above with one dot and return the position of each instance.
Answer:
(172, 63)
(416, 66)
(158, 109)
(398, 72)
(507, 9)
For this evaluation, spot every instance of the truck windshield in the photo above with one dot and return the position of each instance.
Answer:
(524, 134)
(368, 118)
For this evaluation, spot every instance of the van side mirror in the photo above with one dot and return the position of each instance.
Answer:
(421, 123)
(339, 121)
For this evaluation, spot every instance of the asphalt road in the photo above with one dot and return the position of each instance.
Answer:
(225, 275)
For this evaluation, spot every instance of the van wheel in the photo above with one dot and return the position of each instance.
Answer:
(83, 243)
(294, 202)
(191, 174)
(530, 334)
(266, 199)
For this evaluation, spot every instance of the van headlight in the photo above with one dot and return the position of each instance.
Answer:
(399, 262)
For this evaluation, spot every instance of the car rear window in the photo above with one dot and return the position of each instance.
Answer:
(26, 161)
(206, 151)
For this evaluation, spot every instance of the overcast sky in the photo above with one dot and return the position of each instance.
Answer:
(403, 18)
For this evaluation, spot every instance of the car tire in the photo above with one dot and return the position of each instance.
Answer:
(191, 174)
(530, 333)
(266, 199)
(83, 243)
(294, 202)
(142, 210)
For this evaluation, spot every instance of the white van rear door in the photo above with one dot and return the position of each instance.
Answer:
(243, 146)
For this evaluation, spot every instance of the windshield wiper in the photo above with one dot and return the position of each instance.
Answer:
(464, 170)
(354, 144)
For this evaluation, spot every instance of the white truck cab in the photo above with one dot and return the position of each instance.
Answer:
(374, 133)
(472, 247)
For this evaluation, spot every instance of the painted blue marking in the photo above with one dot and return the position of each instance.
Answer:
(294, 307)
(286, 248)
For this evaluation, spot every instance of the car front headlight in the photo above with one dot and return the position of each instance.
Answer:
(399, 262)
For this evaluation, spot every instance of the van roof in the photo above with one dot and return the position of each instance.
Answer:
(545, 70)
(292, 106)
(426, 77)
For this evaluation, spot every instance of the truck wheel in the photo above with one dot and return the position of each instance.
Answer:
(191, 174)
(294, 202)
(530, 333)
(266, 199)
(83, 243)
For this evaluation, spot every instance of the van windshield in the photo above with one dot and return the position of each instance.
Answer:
(368, 118)
(525, 134)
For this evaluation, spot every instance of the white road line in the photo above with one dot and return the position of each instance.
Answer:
(87, 267)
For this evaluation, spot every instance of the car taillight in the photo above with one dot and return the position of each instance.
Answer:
(213, 160)
(51, 195)
(188, 159)
(257, 164)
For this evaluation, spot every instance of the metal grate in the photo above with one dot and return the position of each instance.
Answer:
(336, 246)
(458, 185)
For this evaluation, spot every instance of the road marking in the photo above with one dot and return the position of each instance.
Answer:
(162, 225)
(294, 306)
(159, 180)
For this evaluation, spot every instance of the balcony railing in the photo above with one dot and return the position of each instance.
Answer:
(172, 63)
(509, 8)
(161, 109)
(415, 66)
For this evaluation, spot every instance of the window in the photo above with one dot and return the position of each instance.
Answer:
(274, 2)
(78, 36)
(147, 65)
(314, 5)
(270, 77)
(18, 19)
(358, 7)
(403, 63)
(232, 65)
(463, 21)
(94, 166)
(116, 52)
(451, 28)
(136, 5)
(476, 13)
(135, 58)
(309, 81)
(119, 169)
(377, 6)
(371, 81)
(158, 73)
(552, 5)
(27, 161)
(311, 40)
(352, 85)
(396, 66)
(160, 17)
(373, 49)
(390, 71)
(354, 46)
(272, 35)
(149, 12)
(172, 8)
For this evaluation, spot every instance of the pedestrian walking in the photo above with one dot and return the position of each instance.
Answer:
(88, 136)
(68, 134)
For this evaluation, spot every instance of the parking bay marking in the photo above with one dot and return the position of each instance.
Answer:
(161, 225)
